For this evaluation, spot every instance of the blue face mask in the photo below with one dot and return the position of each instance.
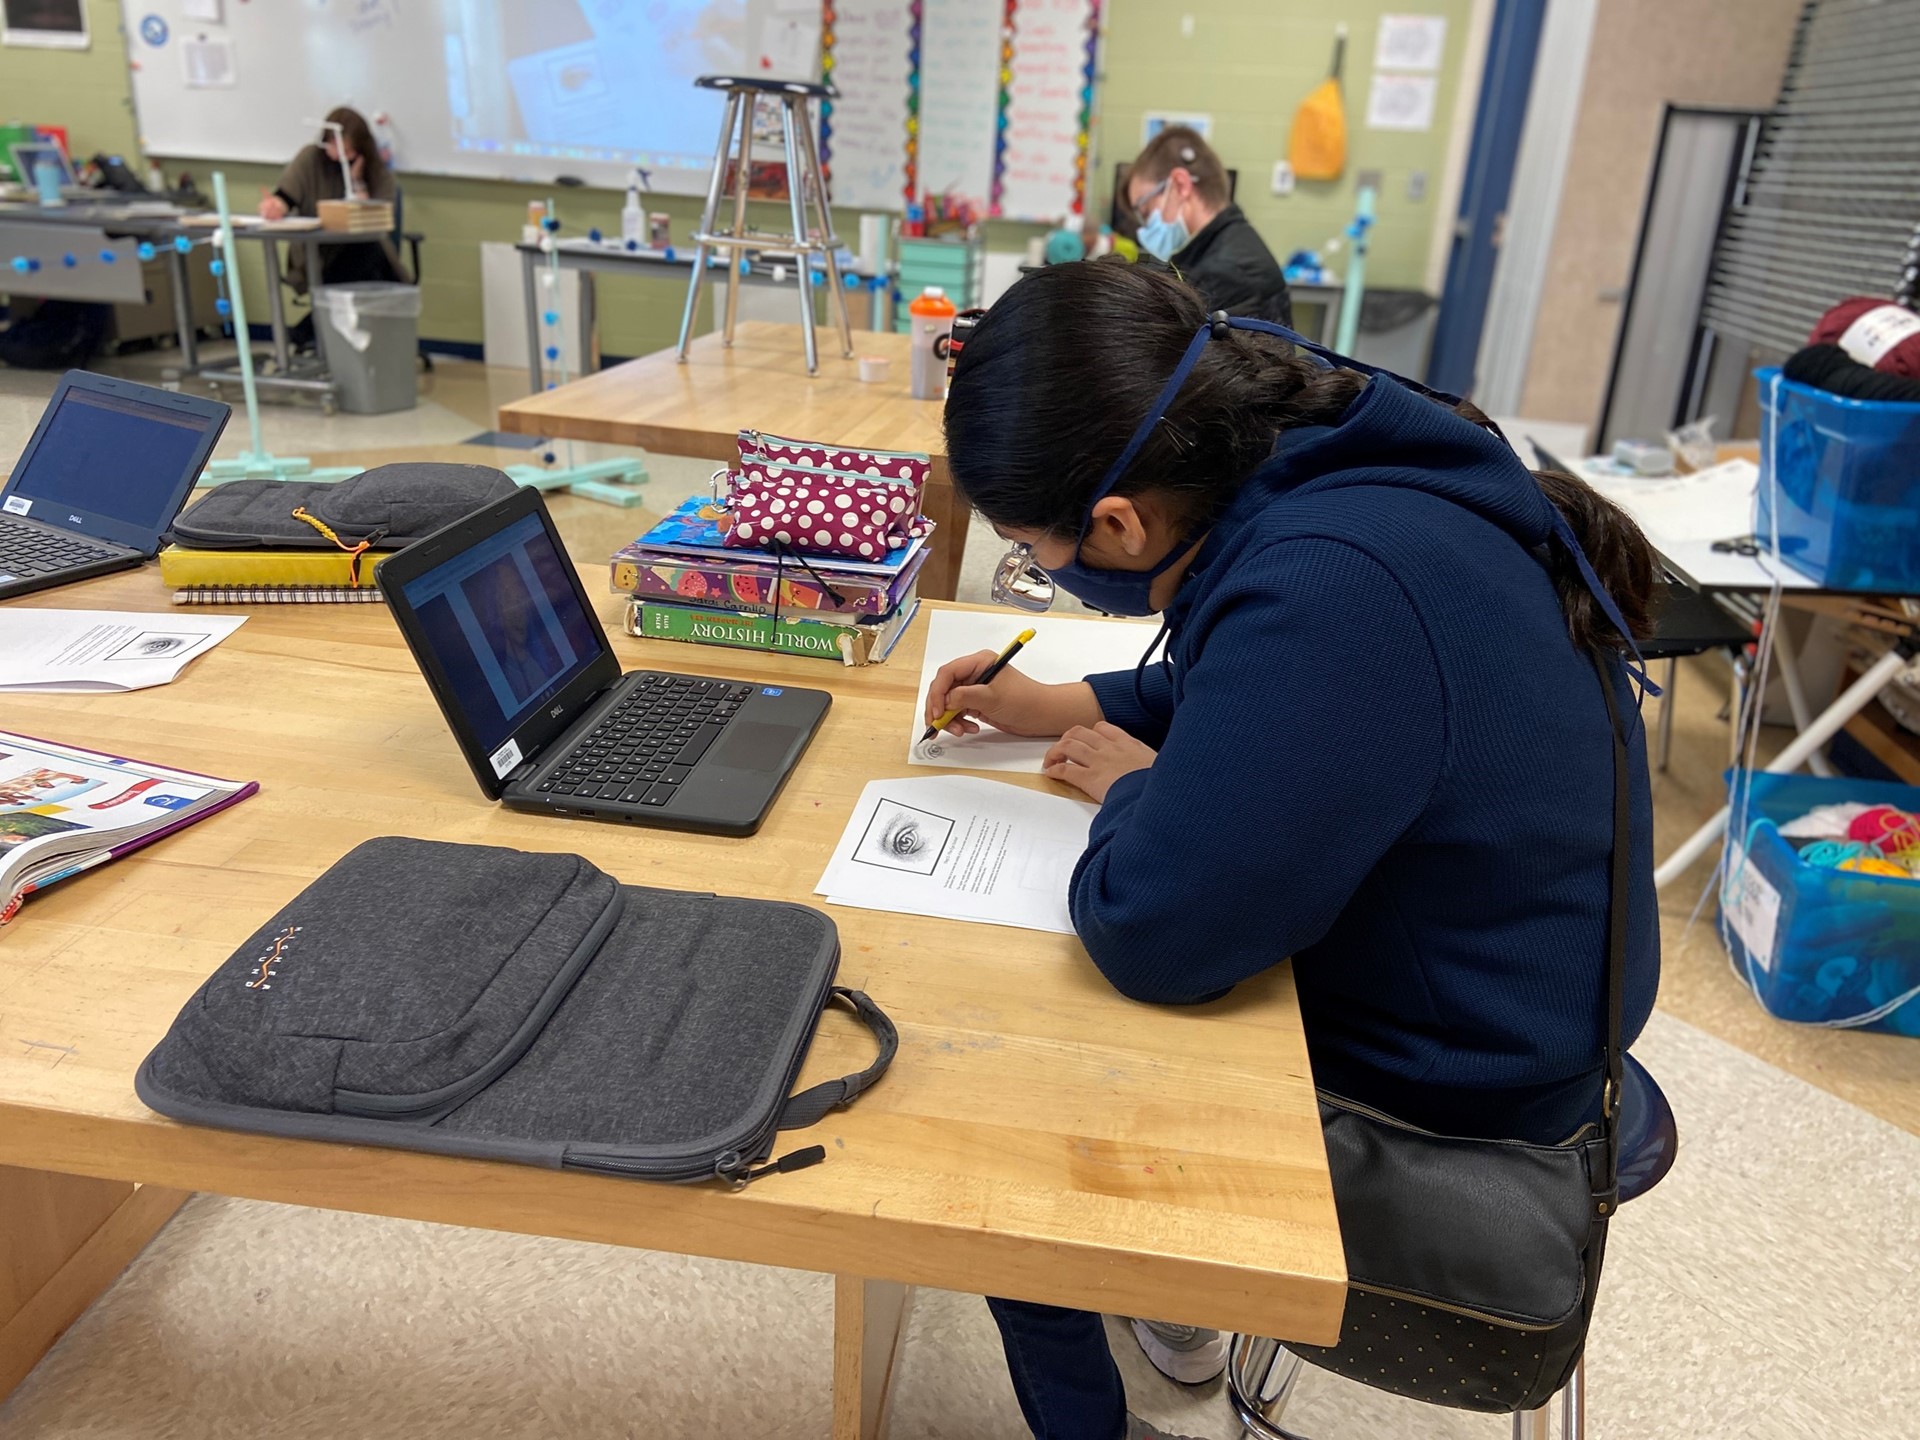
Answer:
(1163, 238)
(1128, 592)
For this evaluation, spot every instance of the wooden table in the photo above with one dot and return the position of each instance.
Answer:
(700, 407)
(1038, 1136)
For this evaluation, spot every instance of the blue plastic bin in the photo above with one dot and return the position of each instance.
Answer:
(1828, 947)
(1848, 485)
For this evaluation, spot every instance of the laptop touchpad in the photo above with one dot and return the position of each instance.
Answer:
(750, 745)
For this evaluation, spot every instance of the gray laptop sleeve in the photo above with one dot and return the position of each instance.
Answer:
(390, 505)
(480, 1001)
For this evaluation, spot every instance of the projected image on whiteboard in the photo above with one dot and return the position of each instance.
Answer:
(593, 80)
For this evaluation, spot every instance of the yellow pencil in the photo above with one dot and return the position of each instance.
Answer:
(986, 678)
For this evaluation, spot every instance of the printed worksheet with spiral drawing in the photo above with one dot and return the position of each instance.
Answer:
(1064, 648)
(961, 848)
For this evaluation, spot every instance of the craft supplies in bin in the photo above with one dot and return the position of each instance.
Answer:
(1842, 479)
(1820, 944)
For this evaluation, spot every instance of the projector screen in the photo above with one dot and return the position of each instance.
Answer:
(501, 89)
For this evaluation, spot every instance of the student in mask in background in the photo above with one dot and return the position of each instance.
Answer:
(1378, 744)
(1177, 193)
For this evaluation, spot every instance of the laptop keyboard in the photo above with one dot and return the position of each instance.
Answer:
(647, 744)
(27, 550)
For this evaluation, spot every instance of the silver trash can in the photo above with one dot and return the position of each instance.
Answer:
(369, 337)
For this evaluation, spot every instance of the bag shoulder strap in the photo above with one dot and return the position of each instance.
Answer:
(1617, 909)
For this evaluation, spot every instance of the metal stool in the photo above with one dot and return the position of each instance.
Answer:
(1648, 1141)
(805, 185)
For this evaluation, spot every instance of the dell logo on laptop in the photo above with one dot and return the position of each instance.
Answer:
(556, 712)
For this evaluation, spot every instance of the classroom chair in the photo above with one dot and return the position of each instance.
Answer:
(1687, 622)
(412, 240)
(1261, 1373)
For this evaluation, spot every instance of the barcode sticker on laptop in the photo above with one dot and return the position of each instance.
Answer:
(505, 758)
(16, 504)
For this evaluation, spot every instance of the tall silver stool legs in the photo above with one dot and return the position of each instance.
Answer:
(807, 204)
(1261, 1375)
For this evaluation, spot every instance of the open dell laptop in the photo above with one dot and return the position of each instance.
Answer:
(107, 469)
(498, 619)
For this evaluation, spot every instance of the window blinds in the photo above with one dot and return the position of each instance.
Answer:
(1829, 205)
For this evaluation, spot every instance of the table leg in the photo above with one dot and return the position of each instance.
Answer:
(940, 576)
(869, 1326)
(65, 1239)
(277, 306)
(589, 304)
(530, 284)
(1784, 657)
(183, 311)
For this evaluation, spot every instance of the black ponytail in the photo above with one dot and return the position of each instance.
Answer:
(1105, 335)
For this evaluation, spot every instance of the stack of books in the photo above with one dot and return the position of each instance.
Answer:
(269, 577)
(355, 216)
(686, 585)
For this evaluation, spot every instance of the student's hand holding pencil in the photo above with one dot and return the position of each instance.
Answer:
(1013, 702)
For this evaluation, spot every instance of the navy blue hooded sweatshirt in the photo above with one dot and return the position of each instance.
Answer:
(1381, 753)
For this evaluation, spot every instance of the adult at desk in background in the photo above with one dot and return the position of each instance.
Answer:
(1379, 745)
(1177, 193)
(315, 175)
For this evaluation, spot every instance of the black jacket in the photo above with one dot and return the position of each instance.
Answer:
(1231, 267)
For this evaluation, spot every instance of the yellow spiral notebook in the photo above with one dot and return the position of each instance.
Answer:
(182, 569)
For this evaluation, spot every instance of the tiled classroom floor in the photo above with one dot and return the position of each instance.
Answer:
(1770, 1288)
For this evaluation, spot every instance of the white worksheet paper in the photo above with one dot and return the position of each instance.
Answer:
(88, 651)
(1064, 648)
(961, 848)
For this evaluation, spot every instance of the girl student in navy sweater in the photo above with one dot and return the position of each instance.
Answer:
(1376, 742)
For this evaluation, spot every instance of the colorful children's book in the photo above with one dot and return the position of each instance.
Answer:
(868, 644)
(64, 810)
(763, 589)
(693, 533)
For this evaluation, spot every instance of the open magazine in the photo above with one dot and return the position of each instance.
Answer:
(64, 810)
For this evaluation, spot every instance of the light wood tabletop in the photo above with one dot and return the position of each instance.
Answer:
(698, 408)
(1038, 1136)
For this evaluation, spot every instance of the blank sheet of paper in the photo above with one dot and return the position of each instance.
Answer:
(1064, 648)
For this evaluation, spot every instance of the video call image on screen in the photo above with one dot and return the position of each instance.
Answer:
(503, 621)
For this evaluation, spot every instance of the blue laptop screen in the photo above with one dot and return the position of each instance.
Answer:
(505, 624)
(112, 456)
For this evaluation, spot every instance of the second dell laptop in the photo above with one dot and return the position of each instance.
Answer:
(498, 619)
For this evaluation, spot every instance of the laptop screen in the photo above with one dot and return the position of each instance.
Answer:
(111, 457)
(506, 627)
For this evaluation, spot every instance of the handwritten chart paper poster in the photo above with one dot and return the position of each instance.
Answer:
(959, 99)
(1042, 168)
(870, 64)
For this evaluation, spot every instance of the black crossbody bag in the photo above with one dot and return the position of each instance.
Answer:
(1473, 1265)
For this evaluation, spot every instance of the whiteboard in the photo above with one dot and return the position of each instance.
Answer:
(537, 89)
(498, 89)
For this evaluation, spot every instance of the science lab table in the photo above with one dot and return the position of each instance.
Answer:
(1038, 1136)
(699, 408)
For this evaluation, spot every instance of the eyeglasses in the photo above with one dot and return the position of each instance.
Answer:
(1145, 202)
(1020, 583)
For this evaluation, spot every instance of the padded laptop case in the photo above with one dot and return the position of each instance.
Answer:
(487, 1002)
(390, 506)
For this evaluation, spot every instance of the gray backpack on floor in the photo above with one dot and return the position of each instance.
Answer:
(486, 1002)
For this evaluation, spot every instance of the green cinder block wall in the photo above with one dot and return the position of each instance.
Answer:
(1247, 63)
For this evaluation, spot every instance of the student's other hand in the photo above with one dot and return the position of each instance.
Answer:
(1015, 703)
(272, 207)
(1091, 758)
